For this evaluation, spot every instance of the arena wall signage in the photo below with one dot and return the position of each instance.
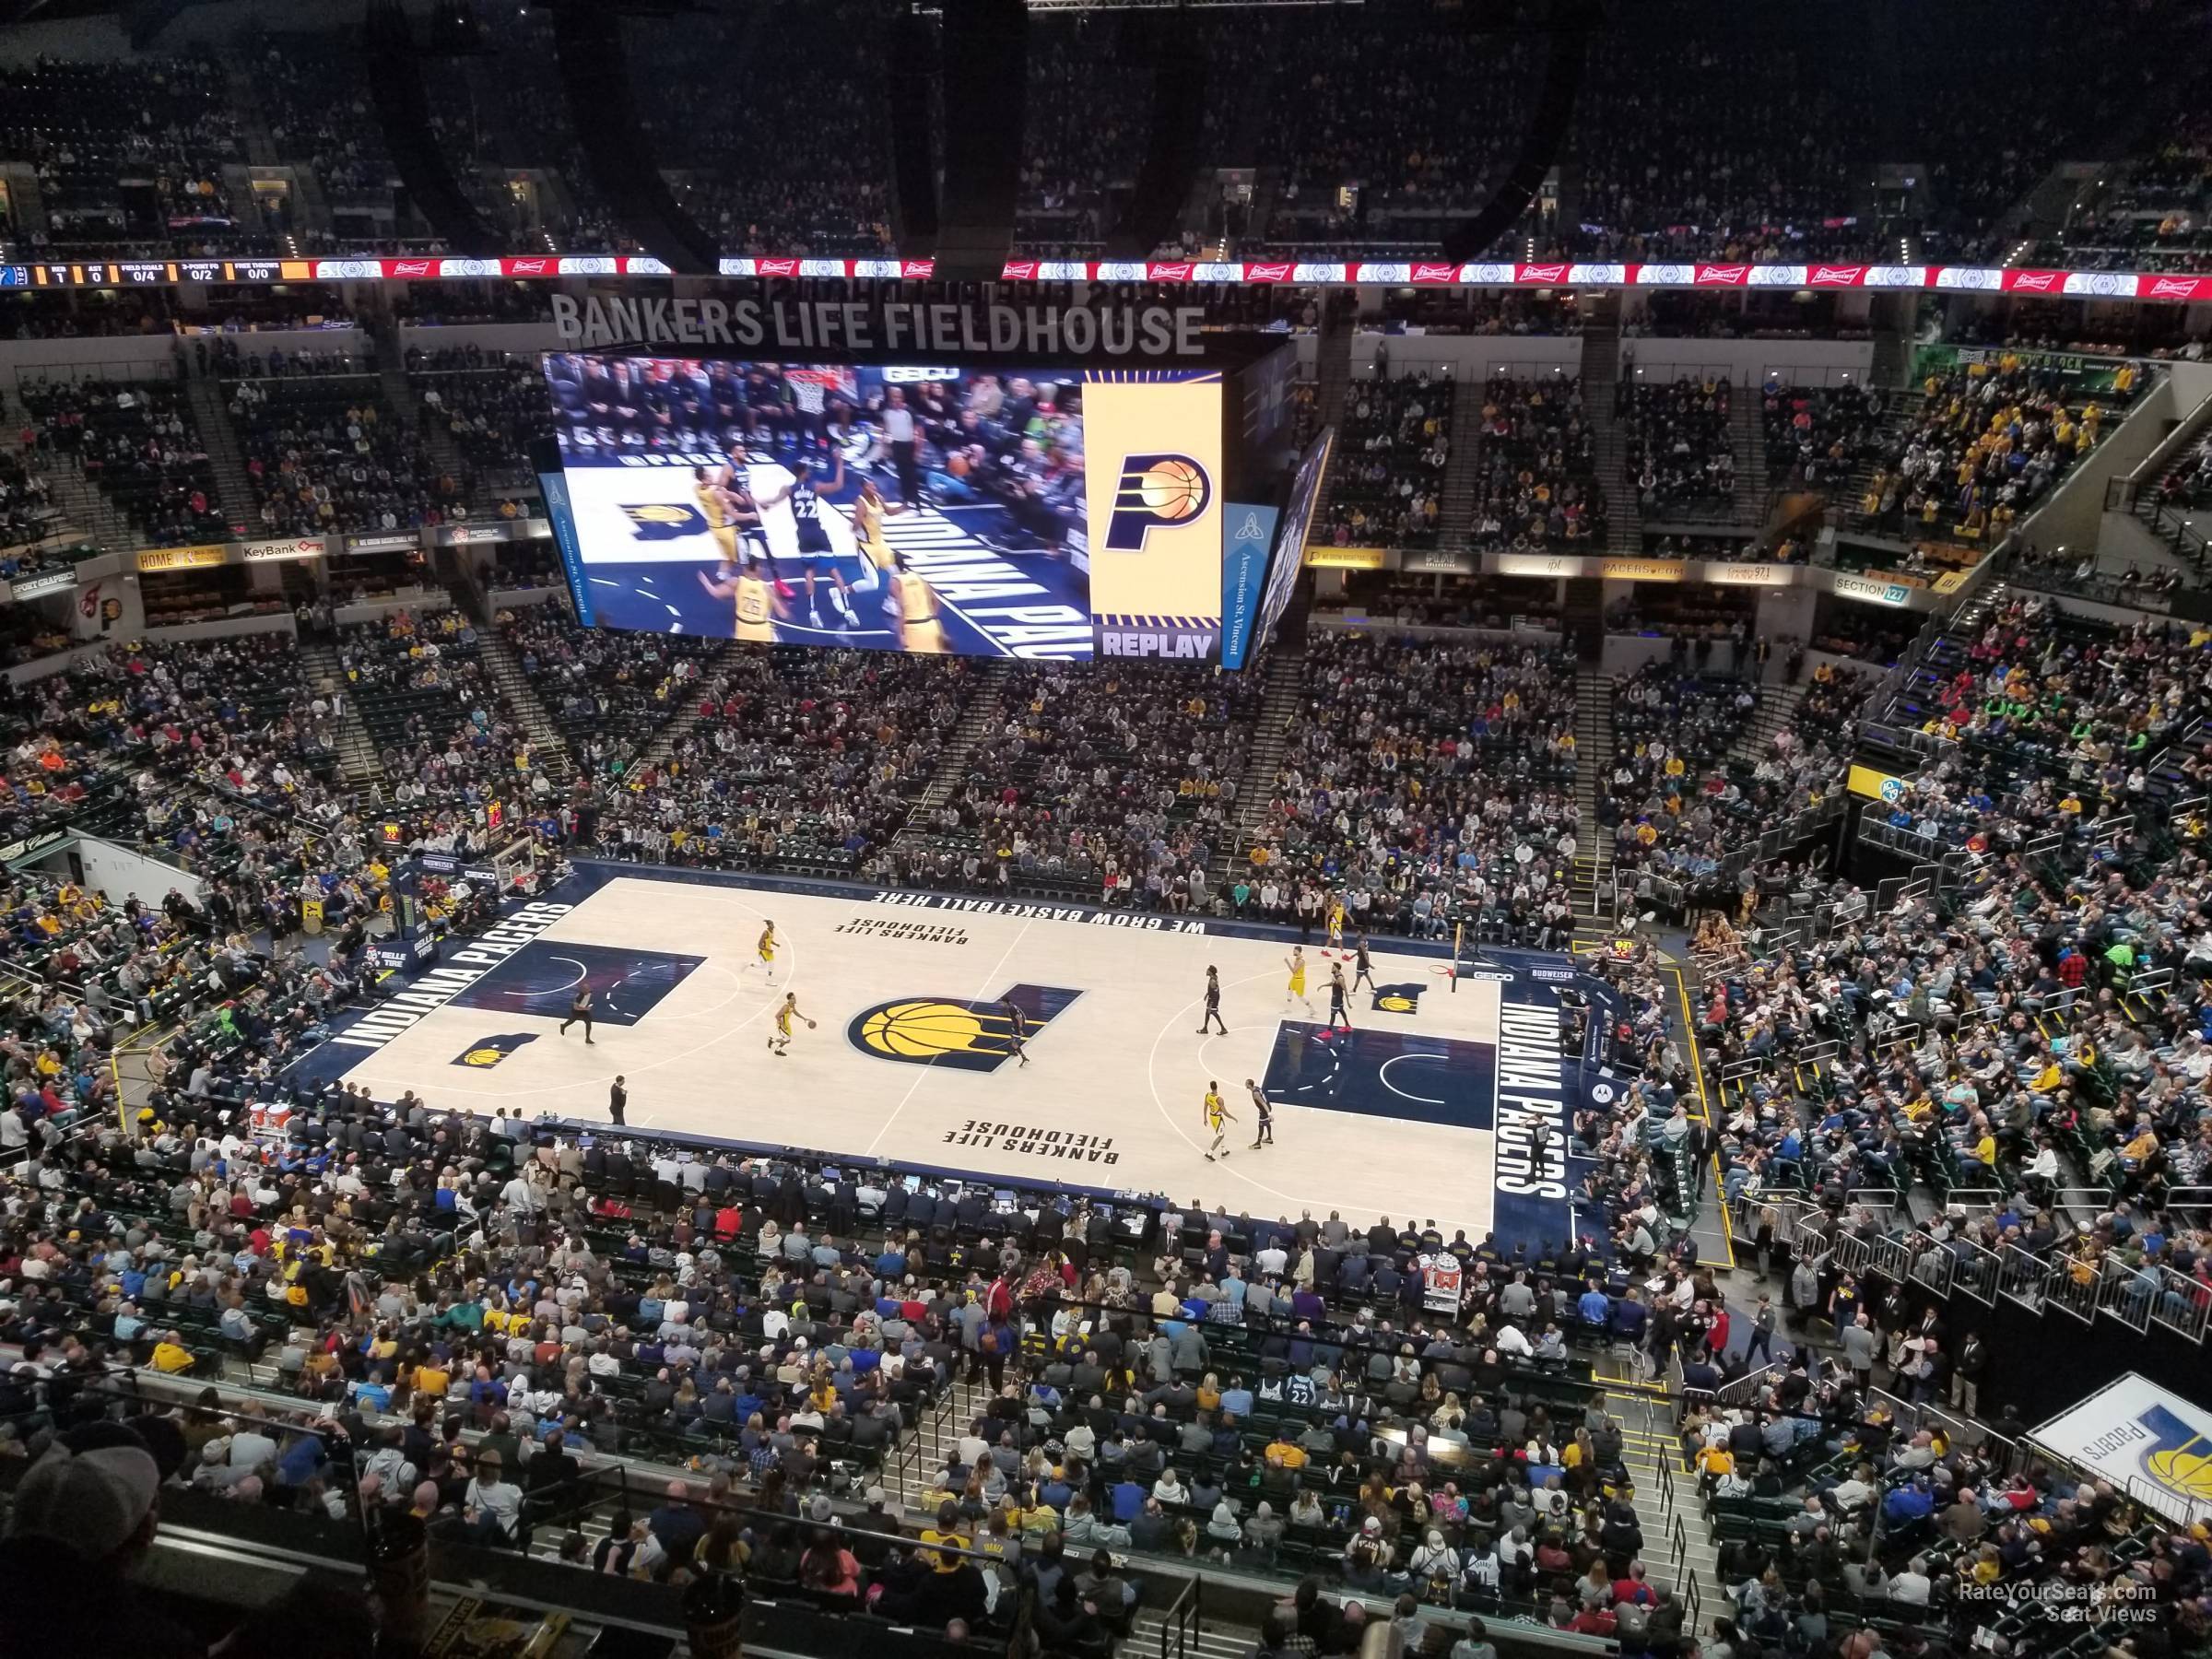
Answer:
(288, 547)
(2163, 287)
(889, 326)
(1876, 785)
(204, 556)
(38, 587)
(1643, 570)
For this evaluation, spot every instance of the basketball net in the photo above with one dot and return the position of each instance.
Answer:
(811, 387)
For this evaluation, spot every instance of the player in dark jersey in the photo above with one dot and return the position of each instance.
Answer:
(812, 536)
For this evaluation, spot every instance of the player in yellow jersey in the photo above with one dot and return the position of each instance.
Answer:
(1295, 962)
(713, 502)
(869, 511)
(1335, 921)
(786, 1011)
(914, 606)
(767, 947)
(755, 599)
(1217, 1118)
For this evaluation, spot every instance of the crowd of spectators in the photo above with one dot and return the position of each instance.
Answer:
(328, 454)
(797, 757)
(449, 743)
(1414, 112)
(1676, 163)
(799, 164)
(1986, 443)
(1428, 781)
(1680, 453)
(492, 405)
(135, 440)
(1119, 777)
(1816, 436)
(86, 127)
(609, 691)
(26, 499)
(1535, 487)
(321, 111)
(1668, 796)
(1387, 472)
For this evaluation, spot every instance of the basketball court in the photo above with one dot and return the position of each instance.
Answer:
(1450, 1098)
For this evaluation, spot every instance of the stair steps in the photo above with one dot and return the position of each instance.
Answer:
(1279, 704)
(234, 492)
(1776, 707)
(1462, 467)
(358, 760)
(549, 748)
(986, 708)
(1590, 880)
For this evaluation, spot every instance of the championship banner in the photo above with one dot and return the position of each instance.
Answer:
(1152, 480)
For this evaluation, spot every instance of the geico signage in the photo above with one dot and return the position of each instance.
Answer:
(260, 552)
(898, 376)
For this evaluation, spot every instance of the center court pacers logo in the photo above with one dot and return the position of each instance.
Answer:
(488, 1051)
(1156, 490)
(665, 521)
(939, 1030)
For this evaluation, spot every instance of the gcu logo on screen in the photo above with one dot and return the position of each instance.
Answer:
(1156, 490)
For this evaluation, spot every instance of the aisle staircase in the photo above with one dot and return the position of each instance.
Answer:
(358, 759)
(1747, 433)
(233, 489)
(986, 708)
(548, 750)
(1333, 360)
(1679, 1554)
(1776, 707)
(1270, 735)
(1592, 876)
(392, 375)
(1462, 467)
(1609, 444)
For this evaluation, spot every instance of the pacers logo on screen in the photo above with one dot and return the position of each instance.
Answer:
(955, 1031)
(1157, 490)
(1152, 483)
(663, 521)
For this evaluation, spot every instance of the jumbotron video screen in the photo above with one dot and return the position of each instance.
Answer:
(888, 507)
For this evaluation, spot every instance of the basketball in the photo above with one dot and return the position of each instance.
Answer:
(1173, 489)
(919, 1028)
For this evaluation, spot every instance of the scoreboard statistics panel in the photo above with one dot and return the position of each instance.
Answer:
(1008, 509)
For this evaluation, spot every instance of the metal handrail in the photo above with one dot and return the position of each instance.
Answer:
(1181, 1619)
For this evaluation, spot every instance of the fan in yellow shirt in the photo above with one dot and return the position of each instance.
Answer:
(170, 1355)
